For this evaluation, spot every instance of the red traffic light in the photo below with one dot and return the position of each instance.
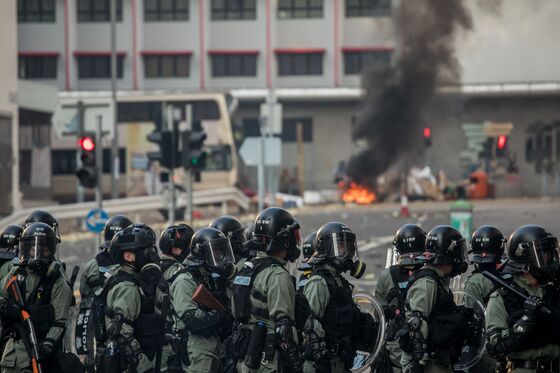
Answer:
(87, 143)
(427, 132)
(502, 140)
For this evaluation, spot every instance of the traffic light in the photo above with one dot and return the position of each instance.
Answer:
(501, 146)
(87, 173)
(427, 137)
(164, 139)
(194, 157)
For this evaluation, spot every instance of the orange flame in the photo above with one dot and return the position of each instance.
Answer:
(358, 194)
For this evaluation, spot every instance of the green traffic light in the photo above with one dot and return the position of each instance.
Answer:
(194, 161)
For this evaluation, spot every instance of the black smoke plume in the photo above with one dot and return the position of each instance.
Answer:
(393, 117)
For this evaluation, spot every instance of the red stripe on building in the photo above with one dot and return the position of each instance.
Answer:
(201, 41)
(336, 45)
(38, 54)
(97, 53)
(299, 50)
(232, 51)
(134, 46)
(268, 43)
(367, 49)
(166, 53)
(66, 48)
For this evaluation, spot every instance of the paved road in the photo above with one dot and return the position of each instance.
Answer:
(375, 225)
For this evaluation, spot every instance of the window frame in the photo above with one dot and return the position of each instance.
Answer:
(294, 10)
(228, 63)
(159, 60)
(289, 129)
(81, 58)
(293, 64)
(89, 15)
(228, 12)
(43, 15)
(368, 8)
(362, 57)
(175, 13)
(23, 63)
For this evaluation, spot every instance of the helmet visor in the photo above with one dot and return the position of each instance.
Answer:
(36, 247)
(460, 249)
(544, 252)
(341, 244)
(219, 252)
(407, 259)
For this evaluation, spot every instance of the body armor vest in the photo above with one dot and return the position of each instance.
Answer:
(395, 299)
(338, 318)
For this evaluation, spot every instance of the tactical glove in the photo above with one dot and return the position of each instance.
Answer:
(46, 349)
(10, 311)
(532, 306)
(288, 348)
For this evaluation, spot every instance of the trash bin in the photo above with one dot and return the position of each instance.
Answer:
(461, 214)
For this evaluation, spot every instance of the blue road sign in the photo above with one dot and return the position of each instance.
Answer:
(95, 220)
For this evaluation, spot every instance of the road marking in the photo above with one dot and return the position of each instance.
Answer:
(368, 245)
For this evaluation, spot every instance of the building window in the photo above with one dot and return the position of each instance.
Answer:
(251, 127)
(166, 10)
(358, 62)
(234, 9)
(97, 10)
(300, 9)
(368, 8)
(162, 66)
(224, 65)
(289, 129)
(39, 67)
(36, 11)
(300, 64)
(98, 67)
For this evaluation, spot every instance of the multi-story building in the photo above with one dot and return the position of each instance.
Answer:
(311, 51)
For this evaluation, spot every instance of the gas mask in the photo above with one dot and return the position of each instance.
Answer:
(145, 256)
(342, 247)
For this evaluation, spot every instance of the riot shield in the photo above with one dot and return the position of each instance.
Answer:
(369, 304)
(471, 355)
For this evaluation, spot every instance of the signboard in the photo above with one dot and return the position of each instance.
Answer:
(96, 219)
(272, 122)
(497, 129)
(250, 151)
(65, 119)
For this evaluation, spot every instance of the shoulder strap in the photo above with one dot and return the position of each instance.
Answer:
(42, 292)
(421, 273)
(326, 275)
(393, 271)
(113, 281)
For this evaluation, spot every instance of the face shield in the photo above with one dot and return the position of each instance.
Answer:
(544, 252)
(35, 248)
(409, 259)
(341, 245)
(219, 253)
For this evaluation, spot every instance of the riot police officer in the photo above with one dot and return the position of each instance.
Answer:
(174, 245)
(335, 327)
(523, 329)
(264, 297)
(9, 244)
(437, 327)
(235, 232)
(132, 324)
(95, 270)
(46, 296)
(487, 248)
(409, 245)
(211, 253)
(308, 249)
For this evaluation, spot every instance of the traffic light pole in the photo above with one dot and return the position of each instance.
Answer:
(99, 167)
(187, 172)
(171, 127)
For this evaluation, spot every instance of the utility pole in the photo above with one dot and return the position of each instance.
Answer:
(115, 144)
(188, 180)
(171, 127)
(301, 157)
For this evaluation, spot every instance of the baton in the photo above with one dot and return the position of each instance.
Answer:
(500, 281)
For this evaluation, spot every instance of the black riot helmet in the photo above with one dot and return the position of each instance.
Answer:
(249, 249)
(487, 245)
(531, 248)
(176, 236)
(308, 249)
(233, 230)
(138, 238)
(9, 242)
(409, 244)
(37, 246)
(337, 244)
(112, 226)
(41, 216)
(445, 245)
(276, 230)
(211, 249)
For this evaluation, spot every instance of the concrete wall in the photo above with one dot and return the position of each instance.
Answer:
(8, 106)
